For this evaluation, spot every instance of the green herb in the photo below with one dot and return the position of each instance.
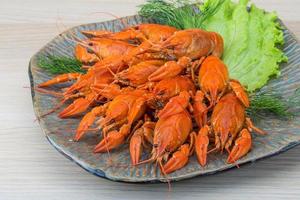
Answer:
(270, 102)
(60, 64)
(180, 14)
(169, 13)
(265, 103)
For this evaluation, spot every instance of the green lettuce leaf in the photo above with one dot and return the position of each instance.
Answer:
(251, 41)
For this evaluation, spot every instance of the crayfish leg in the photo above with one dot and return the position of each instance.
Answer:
(251, 127)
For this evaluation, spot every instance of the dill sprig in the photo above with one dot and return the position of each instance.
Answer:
(270, 102)
(180, 14)
(60, 64)
(174, 13)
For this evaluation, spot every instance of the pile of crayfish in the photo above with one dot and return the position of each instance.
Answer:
(158, 88)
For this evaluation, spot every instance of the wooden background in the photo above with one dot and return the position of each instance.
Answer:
(31, 169)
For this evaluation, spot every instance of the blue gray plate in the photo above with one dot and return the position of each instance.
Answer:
(282, 134)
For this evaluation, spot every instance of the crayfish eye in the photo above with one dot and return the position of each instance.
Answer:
(155, 145)
(230, 135)
(89, 51)
(160, 92)
(159, 104)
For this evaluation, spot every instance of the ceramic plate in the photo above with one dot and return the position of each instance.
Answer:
(283, 134)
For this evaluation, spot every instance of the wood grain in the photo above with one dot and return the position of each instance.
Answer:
(31, 169)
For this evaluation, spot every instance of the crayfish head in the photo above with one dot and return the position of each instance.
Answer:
(84, 55)
(155, 101)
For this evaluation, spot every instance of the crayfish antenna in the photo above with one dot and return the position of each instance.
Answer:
(59, 105)
(52, 110)
(56, 94)
(152, 159)
(212, 150)
(44, 91)
(125, 23)
(165, 174)
(76, 38)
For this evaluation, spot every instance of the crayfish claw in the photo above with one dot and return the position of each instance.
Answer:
(113, 140)
(240, 92)
(170, 69)
(200, 109)
(136, 146)
(88, 120)
(178, 160)
(96, 33)
(201, 145)
(242, 146)
(60, 79)
(77, 107)
(84, 124)
(175, 105)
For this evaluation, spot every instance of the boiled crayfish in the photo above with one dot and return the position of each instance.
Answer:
(159, 88)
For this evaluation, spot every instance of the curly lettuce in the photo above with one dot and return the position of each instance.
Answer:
(251, 39)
